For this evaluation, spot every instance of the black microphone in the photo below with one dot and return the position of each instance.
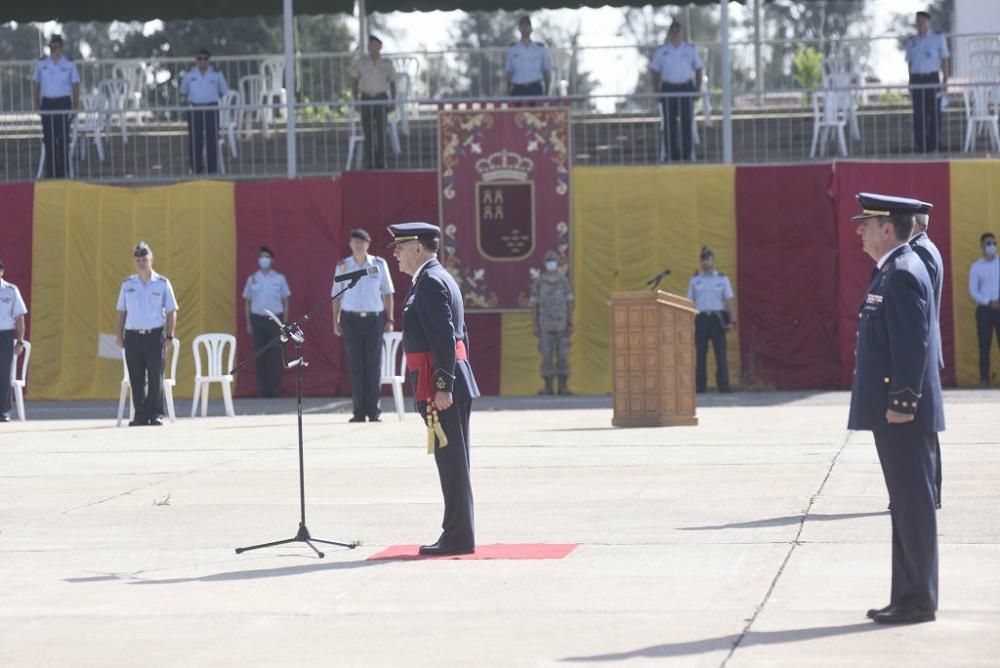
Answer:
(659, 277)
(360, 273)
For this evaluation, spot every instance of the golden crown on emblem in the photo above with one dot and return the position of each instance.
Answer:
(505, 166)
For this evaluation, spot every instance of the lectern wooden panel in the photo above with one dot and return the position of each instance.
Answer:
(652, 336)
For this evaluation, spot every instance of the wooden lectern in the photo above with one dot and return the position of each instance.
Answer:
(652, 336)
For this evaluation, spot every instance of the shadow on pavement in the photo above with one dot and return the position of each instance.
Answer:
(783, 521)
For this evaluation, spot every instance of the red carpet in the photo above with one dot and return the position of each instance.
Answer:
(499, 551)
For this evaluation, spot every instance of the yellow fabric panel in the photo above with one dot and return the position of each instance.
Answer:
(629, 224)
(520, 360)
(975, 208)
(83, 241)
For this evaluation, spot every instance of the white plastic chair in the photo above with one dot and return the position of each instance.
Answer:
(169, 382)
(391, 373)
(17, 383)
(831, 117)
(230, 118)
(133, 72)
(273, 71)
(92, 119)
(116, 91)
(41, 163)
(982, 100)
(251, 89)
(216, 371)
(356, 143)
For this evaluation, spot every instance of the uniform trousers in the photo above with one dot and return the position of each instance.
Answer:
(907, 460)
(363, 340)
(554, 347)
(144, 359)
(203, 137)
(6, 360)
(454, 471)
(269, 363)
(987, 325)
(678, 115)
(373, 121)
(55, 135)
(925, 112)
(522, 90)
(708, 327)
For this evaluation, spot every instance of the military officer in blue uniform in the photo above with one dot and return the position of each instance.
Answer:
(528, 67)
(203, 85)
(147, 317)
(436, 343)
(896, 394)
(56, 90)
(266, 290)
(927, 59)
(675, 68)
(12, 312)
(712, 294)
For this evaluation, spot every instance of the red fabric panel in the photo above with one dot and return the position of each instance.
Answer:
(301, 222)
(484, 349)
(17, 202)
(929, 181)
(787, 276)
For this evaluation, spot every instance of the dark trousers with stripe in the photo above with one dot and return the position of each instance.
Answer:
(6, 359)
(144, 359)
(907, 460)
(454, 471)
(708, 327)
(926, 115)
(987, 326)
(203, 137)
(363, 340)
(55, 135)
(269, 363)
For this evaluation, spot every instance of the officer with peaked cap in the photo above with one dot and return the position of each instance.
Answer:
(147, 316)
(436, 343)
(896, 394)
(712, 294)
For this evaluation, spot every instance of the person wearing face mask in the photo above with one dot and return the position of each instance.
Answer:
(266, 290)
(984, 286)
(552, 322)
(712, 295)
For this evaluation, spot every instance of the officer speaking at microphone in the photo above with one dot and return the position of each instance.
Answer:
(896, 394)
(147, 317)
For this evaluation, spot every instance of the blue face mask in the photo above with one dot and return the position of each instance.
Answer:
(551, 265)
(264, 262)
(991, 249)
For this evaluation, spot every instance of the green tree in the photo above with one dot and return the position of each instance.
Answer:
(18, 42)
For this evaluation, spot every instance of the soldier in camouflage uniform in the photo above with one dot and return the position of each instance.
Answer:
(552, 317)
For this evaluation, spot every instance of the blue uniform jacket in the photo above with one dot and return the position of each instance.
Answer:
(897, 349)
(433, 320)
(931, 256)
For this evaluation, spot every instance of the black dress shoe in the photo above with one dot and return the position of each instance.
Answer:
(938, 505)
(901, 615)
(438, 550)
(374, 418)
(138, 422)
(874, 611)
(4, 418)
(155, 422)
(357, 418)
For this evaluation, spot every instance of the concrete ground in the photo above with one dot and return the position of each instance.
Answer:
(758, 538)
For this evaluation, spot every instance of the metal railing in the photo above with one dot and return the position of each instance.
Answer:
(606, 130)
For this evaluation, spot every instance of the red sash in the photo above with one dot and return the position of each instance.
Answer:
(423, 364)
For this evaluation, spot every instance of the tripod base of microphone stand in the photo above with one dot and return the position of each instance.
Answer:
(301, 537)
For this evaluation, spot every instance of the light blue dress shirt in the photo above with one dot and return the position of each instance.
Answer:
(146, 304)
(527, 63)
(676, 64)
(11, 305)
(984, 281)
(925, 53)
(367, 294)
(710, 291)
(205, 88)
(56, 79)
(266, 292)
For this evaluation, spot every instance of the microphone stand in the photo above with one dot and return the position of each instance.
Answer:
(293, 331)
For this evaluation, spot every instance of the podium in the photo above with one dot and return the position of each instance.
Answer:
(652, 336)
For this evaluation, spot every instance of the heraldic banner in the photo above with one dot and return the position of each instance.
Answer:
(504, 191)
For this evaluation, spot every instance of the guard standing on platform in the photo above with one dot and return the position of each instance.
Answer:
(552, 321)
(984, 288)
(928, 252)
(676, 67)
(147, 317)
(896, 394)
(361, 316)
(712, 295)
(56, 88)
(436, 343)
(374, 81)
(203, 85)
(528, 68)
(12, 312)
(927, 58)
(266, 290)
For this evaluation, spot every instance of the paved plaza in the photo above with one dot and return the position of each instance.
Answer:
(758, 538)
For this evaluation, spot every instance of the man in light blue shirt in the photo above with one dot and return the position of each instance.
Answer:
(266, 290)
(984, 288)
(56, 90)
(147, 317)
(712, 295)
(12, 312)
(360, 317)
(927, 59)
(675, 68)
(528, 67)
(203, 85)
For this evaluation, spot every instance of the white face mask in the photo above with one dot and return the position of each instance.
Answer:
(991, 249)
(264, 262)
(551, 265)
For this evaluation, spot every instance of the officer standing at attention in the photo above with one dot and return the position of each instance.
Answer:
(56, 88)
(203, 85)
(928, 252)
(676, 67)
(361, 316)
(984, 288)
(266, 290)
(927, 58)
(712, 295)
(12, 312)
(147, 317)
(552, 322)
(528, 68)
(374, 81)
(436, 343)
(896, 394)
